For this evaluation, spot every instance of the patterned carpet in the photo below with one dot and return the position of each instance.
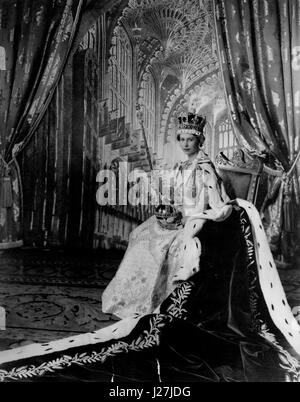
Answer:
(50, 295)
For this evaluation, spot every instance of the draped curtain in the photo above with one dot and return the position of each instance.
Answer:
(259, 50)
(35, 40)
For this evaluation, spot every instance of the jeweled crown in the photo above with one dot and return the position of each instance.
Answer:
(191, 123)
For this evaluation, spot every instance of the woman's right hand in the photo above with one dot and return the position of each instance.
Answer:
(165, 200)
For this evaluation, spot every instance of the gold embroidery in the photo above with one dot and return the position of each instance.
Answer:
(147, 339)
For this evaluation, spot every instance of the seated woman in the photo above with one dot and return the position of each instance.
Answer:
(158, 256)
(198, 302)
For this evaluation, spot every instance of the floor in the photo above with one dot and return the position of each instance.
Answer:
(50, 295)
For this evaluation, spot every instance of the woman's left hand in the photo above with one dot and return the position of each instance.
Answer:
(184, 220)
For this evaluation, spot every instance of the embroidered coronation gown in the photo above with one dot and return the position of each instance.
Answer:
(200, 303)
(157, 258)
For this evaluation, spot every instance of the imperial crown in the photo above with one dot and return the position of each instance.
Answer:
(191, 123)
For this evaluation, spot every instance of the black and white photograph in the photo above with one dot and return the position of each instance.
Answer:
(149, 193)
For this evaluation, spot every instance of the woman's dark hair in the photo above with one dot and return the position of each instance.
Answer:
(199, 138)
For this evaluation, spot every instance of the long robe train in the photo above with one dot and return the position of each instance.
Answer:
(229, 322)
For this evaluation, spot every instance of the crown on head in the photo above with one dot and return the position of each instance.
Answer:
(191, 123)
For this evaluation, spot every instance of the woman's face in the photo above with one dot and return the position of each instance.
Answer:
(189, 143)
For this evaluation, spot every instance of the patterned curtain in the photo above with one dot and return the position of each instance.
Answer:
(35, 40)
(259, 49)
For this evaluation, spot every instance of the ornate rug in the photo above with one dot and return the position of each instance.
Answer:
(50, 295)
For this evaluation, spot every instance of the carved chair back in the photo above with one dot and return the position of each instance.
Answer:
(242, 177)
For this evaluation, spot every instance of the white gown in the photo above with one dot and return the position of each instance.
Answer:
(157, 258)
